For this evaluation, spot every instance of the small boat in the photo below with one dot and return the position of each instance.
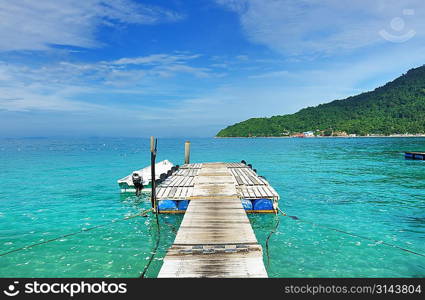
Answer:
(414, 155)
(126, 183)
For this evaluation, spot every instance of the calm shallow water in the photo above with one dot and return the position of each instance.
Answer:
(51, 187)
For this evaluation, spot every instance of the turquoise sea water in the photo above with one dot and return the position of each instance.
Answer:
(51, 187)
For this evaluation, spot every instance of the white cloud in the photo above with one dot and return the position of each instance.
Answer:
(282, 73)
(33, 98)
(300, 27)
(155, 59)
(242, 57)
(36, 25)
(66, 86)
(127, 69)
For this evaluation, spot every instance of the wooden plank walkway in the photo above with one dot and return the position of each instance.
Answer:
(215, 238)
(180, 186)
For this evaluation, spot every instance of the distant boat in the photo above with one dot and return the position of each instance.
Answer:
(126, 184)
(414, 155)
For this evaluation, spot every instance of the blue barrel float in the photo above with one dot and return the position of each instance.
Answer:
(408, 155)
(167, 205)
(262, 204)
(182, 204)
(247, 204)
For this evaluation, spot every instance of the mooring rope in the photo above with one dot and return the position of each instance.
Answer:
(267, 241)
(141, 214)
(353, 234)
(146, 268)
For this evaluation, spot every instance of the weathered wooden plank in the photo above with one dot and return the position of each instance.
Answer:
(239, 180)
(178, 194)
(225, 265)
(215, 173)
(237, 177)
(236, 165)
(185, 182)
(263, 180)
(242, 177)
(189, 192)
(167, 192)
(216, 224)
(180, 180)
(249, 176)
(251, 192)
(172, 180)
(191, 166)
(263, 193)
(184, 193)
(172, 192)
(242, 174)
(256, 192)
(160, 192)
(254, 180)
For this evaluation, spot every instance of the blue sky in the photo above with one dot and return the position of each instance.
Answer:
(188, 68)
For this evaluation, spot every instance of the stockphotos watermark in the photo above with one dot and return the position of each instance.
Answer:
(399, 33)
(70, 289)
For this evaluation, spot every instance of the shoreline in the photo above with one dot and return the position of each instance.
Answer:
(319, 137)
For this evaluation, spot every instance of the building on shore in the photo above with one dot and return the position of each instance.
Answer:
(339, 133)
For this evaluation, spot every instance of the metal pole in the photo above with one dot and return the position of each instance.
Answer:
(187, 152)
(153, 183)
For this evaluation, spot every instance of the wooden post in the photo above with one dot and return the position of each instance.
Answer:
(152, 144)
(153, 183)
(187, 152)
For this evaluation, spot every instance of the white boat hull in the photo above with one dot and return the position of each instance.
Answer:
(133, 190)
(126, 184)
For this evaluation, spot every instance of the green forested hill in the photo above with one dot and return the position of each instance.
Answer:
(395, 108)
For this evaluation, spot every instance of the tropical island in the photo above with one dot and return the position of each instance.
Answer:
(395, 109)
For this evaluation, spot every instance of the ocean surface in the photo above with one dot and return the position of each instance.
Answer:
(354, 198)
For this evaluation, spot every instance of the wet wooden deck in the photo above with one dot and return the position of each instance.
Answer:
(215, 238)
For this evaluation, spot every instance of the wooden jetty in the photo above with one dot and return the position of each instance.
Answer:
(215, 238)
(414, 155)
(248, 185)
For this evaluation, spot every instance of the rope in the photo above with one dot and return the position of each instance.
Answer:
(173, 229)
(353, 234)
(267, 241)
(141, 214)
(154, 250)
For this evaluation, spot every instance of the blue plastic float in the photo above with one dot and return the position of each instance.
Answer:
(182, 204)
(167, 205)
(247, 204)
(263, 204)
